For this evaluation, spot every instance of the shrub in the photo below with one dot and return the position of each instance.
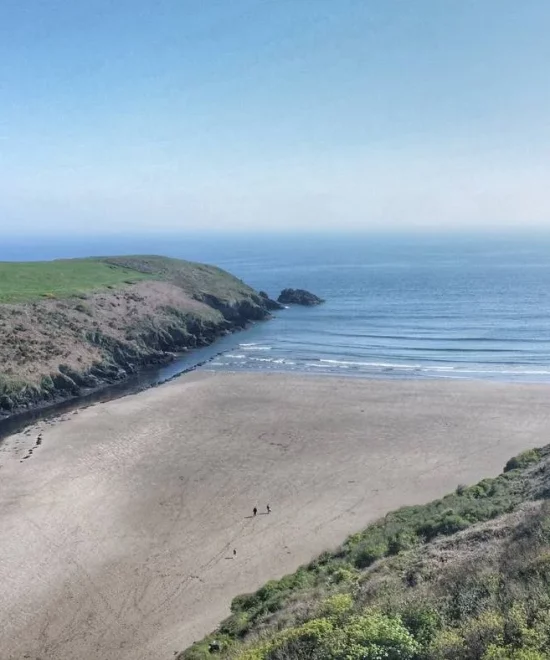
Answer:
(337, 607)
(446, 524)
(344, 574)
(523, 460)
(479, 633)
(423, 621)
(236, 626)
(373, 636)
(369, 551)
(305, 642)
(402, 541)
(495, 652)
(446, 645)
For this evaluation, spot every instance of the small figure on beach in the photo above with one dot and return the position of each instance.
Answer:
(234, 552)
(268, 509)
(255, 510)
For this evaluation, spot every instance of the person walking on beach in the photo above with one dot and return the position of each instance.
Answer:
(234, 552)
(254, 510)
(268, 509)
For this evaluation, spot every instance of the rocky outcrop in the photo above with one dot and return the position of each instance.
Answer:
(60, 349)
(299, 297)
(269, 303)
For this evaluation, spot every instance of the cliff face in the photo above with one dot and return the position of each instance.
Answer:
(57, 345)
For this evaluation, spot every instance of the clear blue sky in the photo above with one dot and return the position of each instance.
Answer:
(274, 114)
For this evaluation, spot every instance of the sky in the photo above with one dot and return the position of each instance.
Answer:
(274, 115)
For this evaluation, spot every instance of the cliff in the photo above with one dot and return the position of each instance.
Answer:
(71, 325)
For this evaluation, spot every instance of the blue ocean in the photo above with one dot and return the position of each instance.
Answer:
(468, 307)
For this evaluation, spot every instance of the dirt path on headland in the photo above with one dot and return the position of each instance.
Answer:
(117, 534)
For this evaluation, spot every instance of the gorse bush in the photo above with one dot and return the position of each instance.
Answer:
(372, 636)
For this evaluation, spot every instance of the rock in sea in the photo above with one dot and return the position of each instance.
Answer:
(270, 304)
(299, 297)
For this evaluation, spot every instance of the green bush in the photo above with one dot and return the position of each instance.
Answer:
(523, 460)
(496, 652)
(482, 631)
(402, 541)
(448, 523)
(446, 645)
(337, 607)
(372, 636)
(345, 573)
(369, 552)
(236, 626)
(423, 621)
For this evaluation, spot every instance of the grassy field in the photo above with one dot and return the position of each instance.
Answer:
(33, 280)
(466, 577)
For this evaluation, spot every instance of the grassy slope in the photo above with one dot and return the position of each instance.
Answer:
(196, 279)
(25, 281)
(72, 324)
(464, 577)
(33, 280)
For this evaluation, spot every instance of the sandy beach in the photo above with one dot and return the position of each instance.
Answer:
(117, 534)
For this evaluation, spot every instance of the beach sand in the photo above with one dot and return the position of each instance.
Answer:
(117, 534)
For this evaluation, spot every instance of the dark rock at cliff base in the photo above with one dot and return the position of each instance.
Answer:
(299, 297)
(269, 303)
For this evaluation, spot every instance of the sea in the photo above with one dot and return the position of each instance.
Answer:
(441, 306)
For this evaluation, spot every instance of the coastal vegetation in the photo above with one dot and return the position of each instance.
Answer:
(71, 325)
(33, 280)
(464, 577)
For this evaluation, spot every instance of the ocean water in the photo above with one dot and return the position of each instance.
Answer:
(474, 307)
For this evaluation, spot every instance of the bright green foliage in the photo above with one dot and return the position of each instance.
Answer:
(66, 278)
(372, 636)
(495, 652)
(446, 645)
(482, 631)
(423, 621)
(337, 607)
(22, 281)
(344, 574)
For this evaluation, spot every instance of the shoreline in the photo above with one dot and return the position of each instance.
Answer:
(133, 384)
(152, 377)
(145, 497)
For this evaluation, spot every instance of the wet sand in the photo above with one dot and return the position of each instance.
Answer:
(117, 533)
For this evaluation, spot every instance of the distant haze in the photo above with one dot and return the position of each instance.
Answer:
(271, 115)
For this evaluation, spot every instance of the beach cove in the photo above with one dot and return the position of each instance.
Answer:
(118, 532)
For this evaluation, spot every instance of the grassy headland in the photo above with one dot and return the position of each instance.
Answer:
(80, 323)
(465, 577)
(34, 280)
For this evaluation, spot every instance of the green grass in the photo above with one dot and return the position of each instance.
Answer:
(35, 280)
(196, 279)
